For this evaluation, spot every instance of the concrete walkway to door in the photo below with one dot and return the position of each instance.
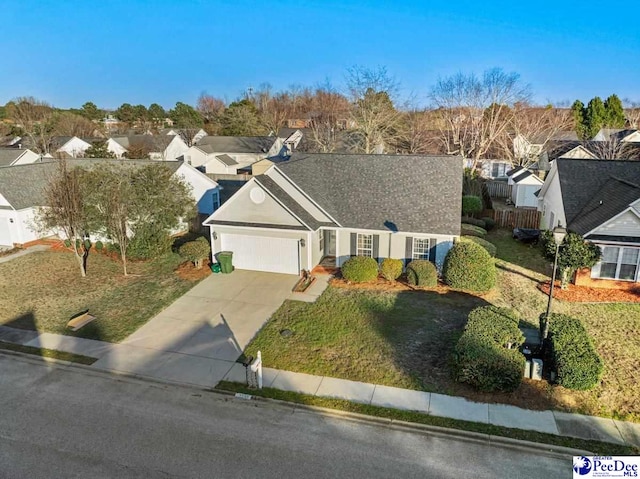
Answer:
(198, 338)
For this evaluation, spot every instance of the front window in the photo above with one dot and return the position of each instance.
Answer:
(420, 248)
(216, 201)
(365, 245)
(619, 262)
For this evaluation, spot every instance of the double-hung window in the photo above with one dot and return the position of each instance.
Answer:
(618, 262)
(421, 248)
(364, 245)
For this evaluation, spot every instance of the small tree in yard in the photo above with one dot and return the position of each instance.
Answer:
(196, 251)
(574, 253)
(471, 205)
(64, 210)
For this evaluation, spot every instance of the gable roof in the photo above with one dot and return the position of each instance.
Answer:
(238, 144)
(23, 185)
(409, 193)
(9, 155)
(154, 143)
(226, 159)
(515, 170)
(584, 183)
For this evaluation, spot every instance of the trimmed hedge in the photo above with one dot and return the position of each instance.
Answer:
(196, 251)
(490, 247)
(423, 273)
(577, 363)
(468, 266)
(470, 230)
(473, 221)
(360, 269)
(481, 358)
(471, 204)
(490, 223)
(391, 269)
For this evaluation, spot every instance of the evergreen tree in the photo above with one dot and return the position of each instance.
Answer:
(240, 119)
(615, 112)
(578, 112)
(595, 117)
(185, 116)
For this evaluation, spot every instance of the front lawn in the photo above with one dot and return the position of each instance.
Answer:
(405, 339)
(42, 291)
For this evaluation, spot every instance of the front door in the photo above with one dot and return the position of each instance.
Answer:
(329, 243)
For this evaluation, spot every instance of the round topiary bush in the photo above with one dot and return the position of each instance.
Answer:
(470, 230)
(489, 223)
(468, 266)
(471, 205)
(99, 245)
(196, 251)
(360, 269)
(423, 273)
(391, 269)
(490, 247)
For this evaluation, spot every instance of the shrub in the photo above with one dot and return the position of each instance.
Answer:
(196, 251)
(391, 269)
(486, 365)
(473, 221)
(423, 273)
(99, 245)
(471, 204)
(577, 363)
(149, 242)
(490, 247)
(498, 325)
(490, 223)
(574, 253)
(470, 230)
(468, 266)
(360, 269)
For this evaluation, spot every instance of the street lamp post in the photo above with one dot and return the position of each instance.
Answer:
(558, 237)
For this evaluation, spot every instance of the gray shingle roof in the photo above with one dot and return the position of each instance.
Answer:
(154, 143)
(9, 155)
(583, 183)
(23, 185)
(227, 160)
(238, 144)
(406, 193)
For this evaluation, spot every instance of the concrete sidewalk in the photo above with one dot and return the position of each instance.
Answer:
(26, 251)
(550, 422)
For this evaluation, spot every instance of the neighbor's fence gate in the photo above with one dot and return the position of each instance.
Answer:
(518, 218)
(499, 189)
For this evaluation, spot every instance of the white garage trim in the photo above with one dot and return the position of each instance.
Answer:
(262, 253)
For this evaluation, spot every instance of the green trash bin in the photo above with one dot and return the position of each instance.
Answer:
(215, 267)
(225, 258)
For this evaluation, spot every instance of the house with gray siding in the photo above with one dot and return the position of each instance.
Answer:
(329, 207)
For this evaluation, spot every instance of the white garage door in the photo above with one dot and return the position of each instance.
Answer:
(261, 253)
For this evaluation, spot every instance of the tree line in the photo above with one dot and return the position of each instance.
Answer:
(475, 116)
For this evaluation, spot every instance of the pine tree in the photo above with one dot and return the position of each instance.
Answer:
(615, 112)
(578, 112)
(595, 117)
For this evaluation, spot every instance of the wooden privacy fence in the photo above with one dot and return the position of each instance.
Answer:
(518, 218)
(498, 189)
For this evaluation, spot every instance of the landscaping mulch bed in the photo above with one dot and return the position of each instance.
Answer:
(583, 294)
(189, 272)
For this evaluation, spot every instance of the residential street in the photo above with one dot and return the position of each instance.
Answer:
(66, 422)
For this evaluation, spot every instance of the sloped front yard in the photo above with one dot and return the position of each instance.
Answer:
(41, 291)
(405, 339)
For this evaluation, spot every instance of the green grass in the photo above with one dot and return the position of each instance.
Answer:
(42, 291)
(48, 353)
(597, 447)
(399, 339)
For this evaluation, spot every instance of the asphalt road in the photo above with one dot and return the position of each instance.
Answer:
(66, 423)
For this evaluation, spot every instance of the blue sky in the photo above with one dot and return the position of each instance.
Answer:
(111, 52)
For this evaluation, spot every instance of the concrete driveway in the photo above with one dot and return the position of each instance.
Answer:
(199, 337)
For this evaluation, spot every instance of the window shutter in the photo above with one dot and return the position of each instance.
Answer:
(408, 250)
(354, 244)
(376, 246)
(432, 250)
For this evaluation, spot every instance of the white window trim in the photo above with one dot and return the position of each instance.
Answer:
(413, 248)
(618, 264)
(363, 251)
(321, 239)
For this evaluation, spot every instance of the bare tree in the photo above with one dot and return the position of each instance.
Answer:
(64, 210)
(211, 109)
(37, 120)
(475, 111)
(614, 149)
(373, 113)
(329, 109)
(70, 124)
(274, 108)
(632, 113)
(419, 134)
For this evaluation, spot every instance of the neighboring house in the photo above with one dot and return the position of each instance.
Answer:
(231, 154)
(335, 206)
(193, 135)
(15, 156)
(600, 200)
(70, 146)
(617, 134)
(494, 168)
(527, 148)
(22, 193)
(525, 184)
(290, 138)
(155, 147)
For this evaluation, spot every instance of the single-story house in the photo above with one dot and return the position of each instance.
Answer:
(17, 156)
(70, 146)
(600, 200)
(334, 206)
(524, 186)
(154, 147)
(618, 134)
(22, 193)
(190, 135)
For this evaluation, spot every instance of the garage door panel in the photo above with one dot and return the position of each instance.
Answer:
(262, 253)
